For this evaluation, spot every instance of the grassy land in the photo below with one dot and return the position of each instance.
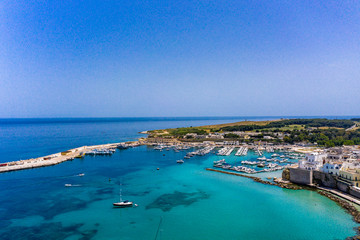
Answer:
(204, 129)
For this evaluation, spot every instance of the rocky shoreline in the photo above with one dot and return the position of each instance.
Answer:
(348, 207)
(285, 184)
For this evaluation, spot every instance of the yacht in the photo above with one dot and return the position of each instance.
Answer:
(123, 203)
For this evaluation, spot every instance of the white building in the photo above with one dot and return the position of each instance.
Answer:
(313, 161)
(332, 168)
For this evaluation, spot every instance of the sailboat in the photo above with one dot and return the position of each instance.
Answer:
(122, 203)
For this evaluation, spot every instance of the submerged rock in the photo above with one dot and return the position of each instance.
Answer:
(166, 202)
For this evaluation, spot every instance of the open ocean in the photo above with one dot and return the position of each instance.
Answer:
(176, 202)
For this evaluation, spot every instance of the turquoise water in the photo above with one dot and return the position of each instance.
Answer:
(175, 202)
(190, 202)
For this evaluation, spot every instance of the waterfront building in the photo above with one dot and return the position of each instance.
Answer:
(215, 136)
(332, 168)
(190, 135)
(161, 140)
(313, 161)
(350, 173)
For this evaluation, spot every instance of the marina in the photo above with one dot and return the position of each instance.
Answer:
(174, 190)
(242, 151)
(225, 151)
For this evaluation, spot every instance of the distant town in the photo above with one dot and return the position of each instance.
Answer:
(328, 151)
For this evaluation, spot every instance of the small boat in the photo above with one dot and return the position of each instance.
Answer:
(72, 185)
(81, 155)
(81, 174)
(180, 161)
(261, 165)
(122, 203)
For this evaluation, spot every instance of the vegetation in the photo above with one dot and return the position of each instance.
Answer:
(307, 123)
(323, 132)
(324, 137)
(180, 132)
(231, 135)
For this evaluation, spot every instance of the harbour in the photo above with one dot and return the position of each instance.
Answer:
(169, 193)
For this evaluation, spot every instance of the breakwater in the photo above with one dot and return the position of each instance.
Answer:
(60, 157)
(281, 184)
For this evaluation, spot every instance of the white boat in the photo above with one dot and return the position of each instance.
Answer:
(72, 185)
(180, 161)
(122, 203)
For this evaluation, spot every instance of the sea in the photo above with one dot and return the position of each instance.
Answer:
(174, 201)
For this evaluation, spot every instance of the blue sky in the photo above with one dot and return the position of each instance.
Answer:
(179, 58)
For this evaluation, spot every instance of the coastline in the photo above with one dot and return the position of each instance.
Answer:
(344, 203)
(54, 159)
(58, 158)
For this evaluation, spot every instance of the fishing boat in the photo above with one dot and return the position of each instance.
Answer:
(122, 203)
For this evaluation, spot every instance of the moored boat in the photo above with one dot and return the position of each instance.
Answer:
(122, 203)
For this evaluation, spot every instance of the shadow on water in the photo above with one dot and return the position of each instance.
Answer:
(168, 201)
(47, 231)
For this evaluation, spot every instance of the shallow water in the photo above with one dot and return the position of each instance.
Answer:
(182, 201)
(175, 202)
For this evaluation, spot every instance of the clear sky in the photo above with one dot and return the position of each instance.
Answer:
(179, 58)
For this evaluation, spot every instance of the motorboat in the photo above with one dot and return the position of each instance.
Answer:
(261, 165)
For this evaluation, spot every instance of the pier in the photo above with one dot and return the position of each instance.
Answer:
(225, 151)
(242, 151)
(60, 157)
(257, 179)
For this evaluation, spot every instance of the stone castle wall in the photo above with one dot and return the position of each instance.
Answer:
(300, 176)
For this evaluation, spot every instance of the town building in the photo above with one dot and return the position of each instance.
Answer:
(313, 161)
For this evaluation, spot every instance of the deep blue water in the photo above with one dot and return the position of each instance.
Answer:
(31, 138)
(182, 201)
